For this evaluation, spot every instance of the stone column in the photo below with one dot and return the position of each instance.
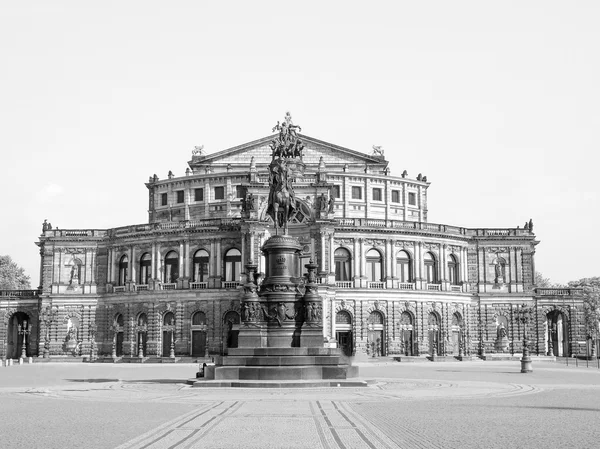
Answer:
(153, 263)
(243, 251)
(186, 264)
(112, 266)
(132, 269)
(519, 268)
(207, 198)
(444, 267)
(464, 264)
(333, 320)
(218, 262)
(322, 261)
(388, 264)
(363, 264)
(356, 263)
(419, 266)
(331, 252)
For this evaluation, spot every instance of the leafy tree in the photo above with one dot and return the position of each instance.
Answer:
(12, 276)
(591, 304)
(542, 282)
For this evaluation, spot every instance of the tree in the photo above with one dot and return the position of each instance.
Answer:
(542, 282)
(591, 304)
(12, 276)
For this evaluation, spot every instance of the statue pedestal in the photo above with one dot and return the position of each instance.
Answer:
(281, 335)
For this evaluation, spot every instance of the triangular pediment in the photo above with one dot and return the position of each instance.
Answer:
(260, 150)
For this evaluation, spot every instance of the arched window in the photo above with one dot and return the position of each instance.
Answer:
(404, 268)
(123, 264)
(233, 265)
(169, 319)
(343, 267)
(430, 268)
(119, 320)
(171, 267)
(201, 272)
(199, 319)
(145, 268)
(374, 266)
(453, 273)
(142, 319)
(343, 317)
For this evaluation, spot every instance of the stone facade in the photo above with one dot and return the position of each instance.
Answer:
(391, 282)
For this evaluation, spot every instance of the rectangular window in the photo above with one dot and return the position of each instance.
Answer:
(239, 191)
(412, 199)
(395, 196)
(376, 194)
(198, 194)
(356, 193)
(219, 193)
(335, 191)
(163, 199)
(180, 196)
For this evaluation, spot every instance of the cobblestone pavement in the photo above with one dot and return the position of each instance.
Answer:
(412, 405)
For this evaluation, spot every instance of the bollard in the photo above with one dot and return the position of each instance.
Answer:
(20, 360)
(29, 359)
(10, 362)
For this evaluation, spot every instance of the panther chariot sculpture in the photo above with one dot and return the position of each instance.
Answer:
(286, 160)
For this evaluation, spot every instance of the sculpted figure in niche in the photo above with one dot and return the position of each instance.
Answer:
(502, 331)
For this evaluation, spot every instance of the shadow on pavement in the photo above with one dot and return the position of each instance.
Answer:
(92, 381)
(130, 381)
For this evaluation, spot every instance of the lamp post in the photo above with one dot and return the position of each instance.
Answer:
(114, 328)
(93, 330)
(47, 317)
(24, 331)
(172, 351)
(525, 319)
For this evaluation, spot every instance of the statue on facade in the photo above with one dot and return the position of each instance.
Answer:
(287, 144)
(282, 204)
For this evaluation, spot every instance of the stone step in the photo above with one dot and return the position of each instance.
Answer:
(280, 372)
(284, 352)
(201, 383)
(279, 361)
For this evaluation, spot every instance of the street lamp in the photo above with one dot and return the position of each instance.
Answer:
(24, 331)
(525, 318)
(47, 316)
(172, 352)
(93, 331)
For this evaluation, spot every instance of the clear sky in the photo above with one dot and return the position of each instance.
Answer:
(496, 102)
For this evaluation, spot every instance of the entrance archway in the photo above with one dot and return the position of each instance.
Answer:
(199, 335)
(231, 329)
(118, 328)
(406, 333)
(19, 328)
(457, 332)
(376, 334)
(433, 323)
(168, 331)
(343, 332)
(558, 333)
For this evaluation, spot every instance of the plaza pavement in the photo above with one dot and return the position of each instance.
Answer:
(411, 405)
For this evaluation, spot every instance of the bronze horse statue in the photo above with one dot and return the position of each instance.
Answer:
(282, 203)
